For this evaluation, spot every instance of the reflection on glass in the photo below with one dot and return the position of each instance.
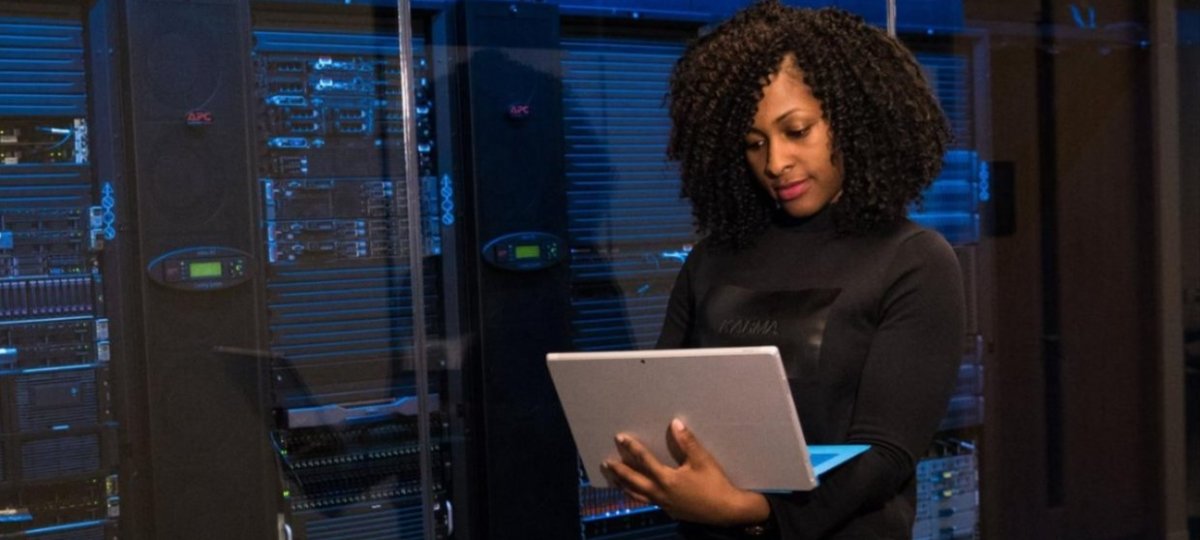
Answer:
(340, 295)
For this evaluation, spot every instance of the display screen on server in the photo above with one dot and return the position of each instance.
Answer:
(529, 252)
(204, 269)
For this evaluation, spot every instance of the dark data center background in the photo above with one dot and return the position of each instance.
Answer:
(289, 269)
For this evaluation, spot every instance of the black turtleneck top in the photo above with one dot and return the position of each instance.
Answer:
(871, 332)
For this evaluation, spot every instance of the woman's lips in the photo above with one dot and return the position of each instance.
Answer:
(793, 190)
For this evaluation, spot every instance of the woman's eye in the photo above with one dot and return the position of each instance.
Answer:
(799, 133)
(754, 145)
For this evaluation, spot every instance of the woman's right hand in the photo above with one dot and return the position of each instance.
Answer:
(697, 490)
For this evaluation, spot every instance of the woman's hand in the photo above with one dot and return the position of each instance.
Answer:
(697, 490)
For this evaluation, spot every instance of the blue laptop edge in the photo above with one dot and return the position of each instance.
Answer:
(825, 457)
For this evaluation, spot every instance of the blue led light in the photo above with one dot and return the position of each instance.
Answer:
(985, 182)
(108, 201)
(49, 320)
(1079, 16)
(620, 513)
(679, 255)
(447, 193)
(64, 527)
(73, 367)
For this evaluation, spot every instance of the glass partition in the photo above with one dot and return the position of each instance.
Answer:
(290, 268)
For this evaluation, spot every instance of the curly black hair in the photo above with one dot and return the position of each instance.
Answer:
(887, 128)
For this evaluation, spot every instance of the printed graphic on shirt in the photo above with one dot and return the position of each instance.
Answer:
(793, 321)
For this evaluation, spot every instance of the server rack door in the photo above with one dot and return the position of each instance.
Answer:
(354, 226)
(209, 465)
(515, 115)
(290, 226)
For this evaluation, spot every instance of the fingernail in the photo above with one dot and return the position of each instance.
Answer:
(605, 465)
(677, 424)
(622, 439)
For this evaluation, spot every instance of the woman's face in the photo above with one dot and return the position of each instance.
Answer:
(789, 147)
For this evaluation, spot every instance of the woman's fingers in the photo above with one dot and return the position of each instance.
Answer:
(634, 454)
(638, 473)
(634, 484)
(684, 446)
(613, 479)
(697, 490)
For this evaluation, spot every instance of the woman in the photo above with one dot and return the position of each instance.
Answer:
(803, 136)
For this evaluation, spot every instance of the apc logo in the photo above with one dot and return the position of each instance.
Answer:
(199, 117)
(519, 111)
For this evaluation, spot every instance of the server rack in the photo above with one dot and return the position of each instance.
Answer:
(266, 337)
(263, 172)
(353, 407)
(59, 473)
(331, 126)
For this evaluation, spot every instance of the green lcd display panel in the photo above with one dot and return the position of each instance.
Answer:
(204, 269)
(529, 252)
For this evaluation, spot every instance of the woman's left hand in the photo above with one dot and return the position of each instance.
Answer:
(697, 490)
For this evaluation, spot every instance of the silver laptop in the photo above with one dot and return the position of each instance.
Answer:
(736, 400)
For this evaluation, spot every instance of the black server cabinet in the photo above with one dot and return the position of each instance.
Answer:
(529, 464)
(209, 465)
(286, 393)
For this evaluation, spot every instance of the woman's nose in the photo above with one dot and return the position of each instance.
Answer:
(778, 161)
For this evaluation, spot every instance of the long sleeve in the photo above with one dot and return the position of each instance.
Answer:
(902, 393)
(879, 371)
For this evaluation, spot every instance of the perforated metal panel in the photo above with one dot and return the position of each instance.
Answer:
(41, 68)
(951, 204)
(948, 75)
(62, 456)
(57, 400)
(402, 522)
